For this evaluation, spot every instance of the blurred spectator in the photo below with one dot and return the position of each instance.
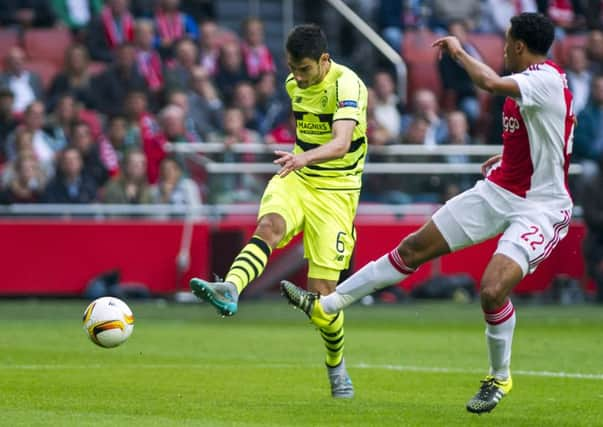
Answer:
(422, 188)
(116, 136)
(25, 85)
(199, 9)
(61, 120)
(143, 130)
(71, 184)
(458, 134)
(143, 8)
(561, 12)
(150, 65)
(231, 70)
(131, 187)
(593, 11)
(112, 85)
(425, 105)
(496, 14)
(7, 120)
(443, 12)
(269, 102)
(45, 147)
(594, 51)
(73, 79)
(180, 99)
(391, 22)
(209, 46)
(173, 187)
(228, 188)
(27, 13)
(172, 25)
(386, 107)
(179, 72)
(588, 135)
(81, 139)
(376, 133)
(284, 132)
(244, 98)
(256, 54)
(27, 183)
(458, 87)
(593, 217)
(205, 104)
(76, 14)
(172, 120)
(23, 147)
(579, 77)
(113, 27)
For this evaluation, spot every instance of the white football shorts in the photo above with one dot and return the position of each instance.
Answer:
(530, 230)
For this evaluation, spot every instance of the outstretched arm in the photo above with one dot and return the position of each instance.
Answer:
(334, 149)
(482, 75)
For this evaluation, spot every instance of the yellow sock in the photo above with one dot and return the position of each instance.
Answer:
(331, 331)
(249, 264)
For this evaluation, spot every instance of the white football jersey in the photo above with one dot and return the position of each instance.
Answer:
(537, 135)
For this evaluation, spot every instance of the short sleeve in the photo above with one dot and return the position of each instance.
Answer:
(290, 84)
(536, 86)
(348, 102)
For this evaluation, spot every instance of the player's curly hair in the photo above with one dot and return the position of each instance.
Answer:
(535, 30)
(306, 41)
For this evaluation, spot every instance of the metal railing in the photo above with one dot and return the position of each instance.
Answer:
(376, 40)
(397, 167)
(199, 212)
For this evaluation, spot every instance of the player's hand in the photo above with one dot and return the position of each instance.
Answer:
(450, 45)
(487, 165)
(289, 162)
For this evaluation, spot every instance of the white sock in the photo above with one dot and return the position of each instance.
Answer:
(500, 325)
(387, 270)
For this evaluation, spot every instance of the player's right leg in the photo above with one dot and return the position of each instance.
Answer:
(279, 220)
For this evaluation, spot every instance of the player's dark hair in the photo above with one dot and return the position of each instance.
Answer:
(306, 41)
(535, 30)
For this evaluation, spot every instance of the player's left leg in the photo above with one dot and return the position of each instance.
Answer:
(329, 239)
(330, 327)
(500, 277)
(533, 232)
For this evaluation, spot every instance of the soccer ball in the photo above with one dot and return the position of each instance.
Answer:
(108, 321)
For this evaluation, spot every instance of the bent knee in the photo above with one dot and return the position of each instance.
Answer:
(412, 251)
(492, 294)
(272, 229)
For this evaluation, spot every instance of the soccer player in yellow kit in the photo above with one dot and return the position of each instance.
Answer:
(315, 191)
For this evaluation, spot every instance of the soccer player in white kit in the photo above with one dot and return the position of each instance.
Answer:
(524, 196)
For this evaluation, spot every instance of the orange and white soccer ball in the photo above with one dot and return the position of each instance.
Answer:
(108, 321)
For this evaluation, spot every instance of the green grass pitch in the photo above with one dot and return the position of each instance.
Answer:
(412, 365)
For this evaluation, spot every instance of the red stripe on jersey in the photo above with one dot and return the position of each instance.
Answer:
(516, 169)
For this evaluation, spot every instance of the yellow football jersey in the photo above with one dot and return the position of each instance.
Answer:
(340, 96)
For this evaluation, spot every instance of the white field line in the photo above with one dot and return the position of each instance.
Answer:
(400, 368)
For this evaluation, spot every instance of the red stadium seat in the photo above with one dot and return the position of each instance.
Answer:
(46, 70)
(491, 47)
(416, 46)
(8, 39)
(424, 75)
(47, 44)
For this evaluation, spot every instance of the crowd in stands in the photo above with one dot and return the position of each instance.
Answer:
(91, 91)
